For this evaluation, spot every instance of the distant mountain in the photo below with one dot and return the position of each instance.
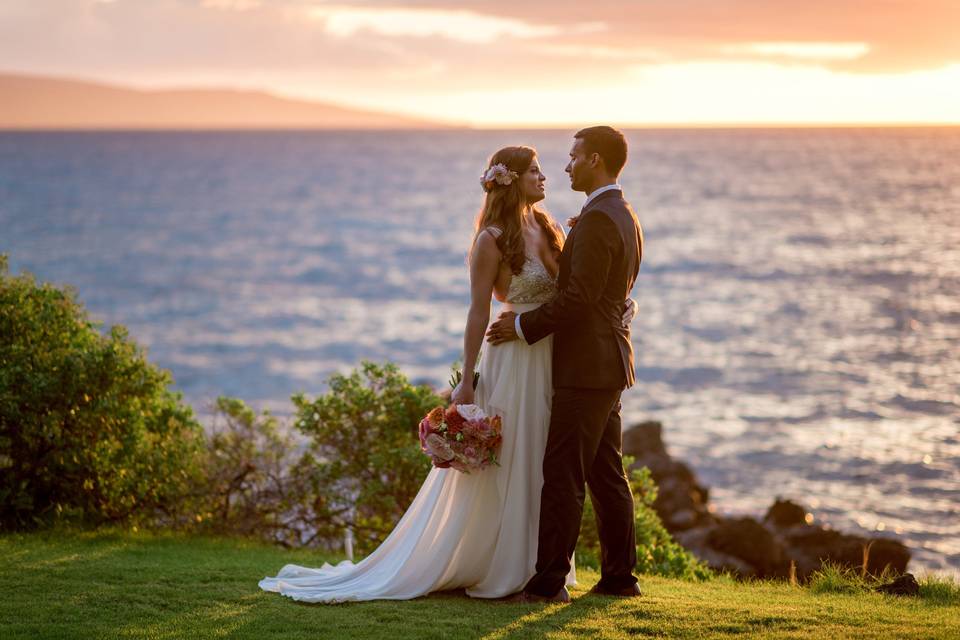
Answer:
(36, 102)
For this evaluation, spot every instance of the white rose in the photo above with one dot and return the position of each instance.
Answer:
(470, 412)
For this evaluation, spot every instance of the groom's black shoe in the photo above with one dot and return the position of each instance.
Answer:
(525, 597)
(633, 591)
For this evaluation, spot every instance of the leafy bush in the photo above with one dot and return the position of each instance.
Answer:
(657, 552)
(363, 466)
(88, 428)
(246, 486)
(90, 431)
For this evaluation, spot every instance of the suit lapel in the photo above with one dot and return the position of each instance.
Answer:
(564, 272)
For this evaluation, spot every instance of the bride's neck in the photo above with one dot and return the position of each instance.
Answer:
(529, 218)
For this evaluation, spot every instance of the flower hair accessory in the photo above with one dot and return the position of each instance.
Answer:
(497, 174)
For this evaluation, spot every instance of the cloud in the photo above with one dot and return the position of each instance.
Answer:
(192, 35)
(600, 52)
(903, 35)
(416, 55)
(820, 51)
(226, 5)
(466, 26)
(333, 51)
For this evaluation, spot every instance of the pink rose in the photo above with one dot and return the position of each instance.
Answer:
(438, 448)
(424, 432)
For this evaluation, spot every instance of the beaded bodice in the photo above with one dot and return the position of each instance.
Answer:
(533, 284)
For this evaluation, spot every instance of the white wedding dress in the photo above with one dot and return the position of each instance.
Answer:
(474, 531)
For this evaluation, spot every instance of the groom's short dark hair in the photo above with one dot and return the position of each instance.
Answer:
(606, 142)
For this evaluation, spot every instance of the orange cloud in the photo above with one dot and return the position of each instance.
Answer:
(416, 55)
(902, 35)
(454, 24)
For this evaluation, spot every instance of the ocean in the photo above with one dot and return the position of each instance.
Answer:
(799, 324)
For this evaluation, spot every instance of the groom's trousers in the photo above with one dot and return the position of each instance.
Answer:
(584, 447)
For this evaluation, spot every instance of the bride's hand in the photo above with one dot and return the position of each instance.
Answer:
(630, 308)
(463, 393)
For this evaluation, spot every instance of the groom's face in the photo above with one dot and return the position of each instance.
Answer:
(579, 167)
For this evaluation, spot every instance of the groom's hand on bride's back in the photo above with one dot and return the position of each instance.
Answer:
(630, 308)
(503, 330)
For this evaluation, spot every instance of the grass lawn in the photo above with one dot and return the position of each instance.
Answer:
(124, 585)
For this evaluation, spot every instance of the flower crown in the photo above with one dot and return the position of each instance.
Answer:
(497, 174)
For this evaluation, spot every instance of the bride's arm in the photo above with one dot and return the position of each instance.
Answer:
(484, 266)
(554, 259)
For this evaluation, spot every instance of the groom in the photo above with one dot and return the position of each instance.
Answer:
(592, 364)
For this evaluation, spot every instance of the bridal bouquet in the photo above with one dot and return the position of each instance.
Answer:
(462, 437)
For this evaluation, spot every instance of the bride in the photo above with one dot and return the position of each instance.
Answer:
(476, 531)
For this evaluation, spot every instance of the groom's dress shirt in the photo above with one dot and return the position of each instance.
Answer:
(593, 194)
(590, 197)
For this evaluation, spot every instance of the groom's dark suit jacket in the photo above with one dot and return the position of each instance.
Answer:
(598, 266)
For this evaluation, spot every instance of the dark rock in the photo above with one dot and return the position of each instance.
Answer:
(886, 552)
(813, 545)
(644, 439)
(750, 541)
(695, 541)
(681, 501)
(905, 585)
(674, 493)
(786, 513)
(682, 519)
(743, 545)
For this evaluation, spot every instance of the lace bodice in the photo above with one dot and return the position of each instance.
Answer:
(533, 284)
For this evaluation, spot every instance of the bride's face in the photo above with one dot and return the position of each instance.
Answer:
(531, 183)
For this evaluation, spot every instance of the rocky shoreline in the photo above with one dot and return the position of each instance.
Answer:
(749, 547)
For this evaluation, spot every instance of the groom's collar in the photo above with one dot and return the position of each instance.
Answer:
(593, 194)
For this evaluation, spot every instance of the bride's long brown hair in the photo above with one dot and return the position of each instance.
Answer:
(503, 208)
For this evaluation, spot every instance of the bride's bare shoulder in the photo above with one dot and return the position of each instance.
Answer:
(486, 240)
(493, 231)
(485, 244)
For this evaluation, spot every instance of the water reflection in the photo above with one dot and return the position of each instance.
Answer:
(799, 328)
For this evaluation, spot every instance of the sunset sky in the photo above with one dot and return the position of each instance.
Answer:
(525, 62)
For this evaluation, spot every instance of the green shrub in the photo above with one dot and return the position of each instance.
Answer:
(657, 552)
(246, 486)
(88, 428)
(363, 465)
(90, 431)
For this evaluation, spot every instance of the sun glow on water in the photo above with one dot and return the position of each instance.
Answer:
(800, 293)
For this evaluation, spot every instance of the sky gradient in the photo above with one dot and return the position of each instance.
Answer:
(533, 62)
